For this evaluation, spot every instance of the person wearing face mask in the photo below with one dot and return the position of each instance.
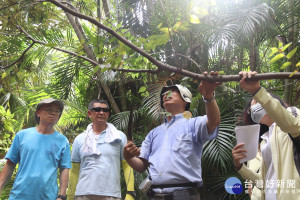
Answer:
(278, 177)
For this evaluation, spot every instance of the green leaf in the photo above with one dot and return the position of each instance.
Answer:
(290, 55)
(134, 75)
(159, 25)
(273, 51)
(168, 93)
(142, 89)
(277, 57)
(200, 11)
(298, 64)
(285, 47)
(280, 45)
(221, 73)
(165, 30)
(96, 69)
(176, 26)
(285, 65)
(50, 45)
(127, 34)
(293, 73)
(104, 69)
(119, 26)
(3, 75)
(194, 19)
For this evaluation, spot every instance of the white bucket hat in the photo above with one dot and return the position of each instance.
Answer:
(185, 93)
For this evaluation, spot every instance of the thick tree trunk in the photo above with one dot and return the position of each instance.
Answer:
(90, 54)
(123, 98)
(106, 9)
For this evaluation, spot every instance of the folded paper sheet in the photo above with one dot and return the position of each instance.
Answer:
(248, 135)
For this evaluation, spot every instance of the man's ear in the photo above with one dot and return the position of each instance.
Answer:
(38, 113)
(89, 113)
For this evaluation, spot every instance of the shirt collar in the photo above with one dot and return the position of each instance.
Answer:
(173, 119)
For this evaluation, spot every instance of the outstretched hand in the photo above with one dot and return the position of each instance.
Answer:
(207, 88)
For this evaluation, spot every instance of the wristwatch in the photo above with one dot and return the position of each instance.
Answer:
(208, 101)
(62, 197)
(132, 193)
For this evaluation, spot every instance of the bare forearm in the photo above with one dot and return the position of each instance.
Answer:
(6, 173)
(64, 179)
(138, 164)
(213, 115)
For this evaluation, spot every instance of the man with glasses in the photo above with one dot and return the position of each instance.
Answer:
(39, 151)
(97, 155)
(173, 150)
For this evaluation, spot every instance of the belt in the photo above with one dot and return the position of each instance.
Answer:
(174, 185)
(183, 194)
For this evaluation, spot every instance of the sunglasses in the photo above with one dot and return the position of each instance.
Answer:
(98, 109)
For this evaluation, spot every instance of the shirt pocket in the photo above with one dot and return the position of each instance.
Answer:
(184, 144)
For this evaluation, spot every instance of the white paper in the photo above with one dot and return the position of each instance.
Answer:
(248, 135)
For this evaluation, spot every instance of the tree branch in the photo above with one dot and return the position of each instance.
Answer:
(56, 48)
(7, 66)
(6, 7)
(9, 34)
(136, 70)
(167, 67)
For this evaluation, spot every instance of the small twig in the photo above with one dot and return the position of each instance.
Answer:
(56, 48)
(198, 66)
(4, 8)
(136, 70)
(27, 49)
(9, 34)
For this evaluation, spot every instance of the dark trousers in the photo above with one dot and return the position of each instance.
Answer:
(186, 194)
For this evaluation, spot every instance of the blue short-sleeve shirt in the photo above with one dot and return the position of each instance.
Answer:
(38, 156)
(174, 150)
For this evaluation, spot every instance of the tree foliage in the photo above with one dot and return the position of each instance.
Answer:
(126, 51)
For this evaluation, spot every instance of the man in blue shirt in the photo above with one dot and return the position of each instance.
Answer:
(173, 150)
(39, 151)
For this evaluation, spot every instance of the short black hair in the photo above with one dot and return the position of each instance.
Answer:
(91, 104)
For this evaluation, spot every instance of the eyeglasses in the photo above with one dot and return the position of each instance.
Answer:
(98, 109)
(49, 110)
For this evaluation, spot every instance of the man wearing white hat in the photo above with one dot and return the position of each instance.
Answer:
(173, 150)
(39, 151)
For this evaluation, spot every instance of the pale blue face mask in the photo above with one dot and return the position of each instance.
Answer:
(257, 112)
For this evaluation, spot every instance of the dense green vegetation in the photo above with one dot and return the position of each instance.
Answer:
(48, 52)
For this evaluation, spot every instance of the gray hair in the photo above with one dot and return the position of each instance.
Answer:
(91, 104)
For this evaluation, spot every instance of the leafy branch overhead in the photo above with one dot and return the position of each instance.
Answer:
(162, 66)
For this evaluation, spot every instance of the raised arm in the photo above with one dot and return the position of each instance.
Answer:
(207, 90)
(283, 118)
